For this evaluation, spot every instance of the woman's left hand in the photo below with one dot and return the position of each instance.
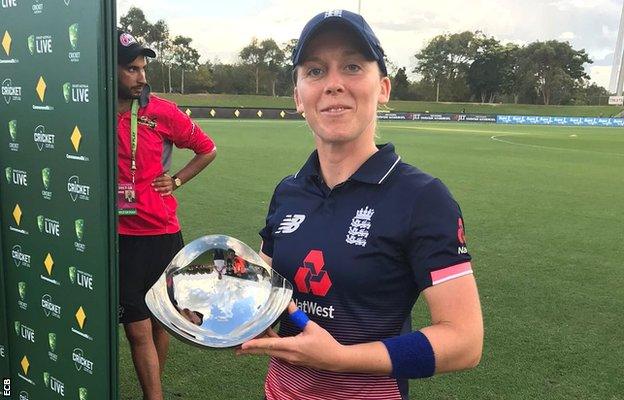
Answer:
(314, 347)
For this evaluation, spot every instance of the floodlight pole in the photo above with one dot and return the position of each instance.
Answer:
(617, 72)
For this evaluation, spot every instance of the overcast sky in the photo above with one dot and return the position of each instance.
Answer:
(222, 28)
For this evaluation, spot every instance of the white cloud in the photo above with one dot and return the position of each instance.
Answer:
(600, 75)
(567, 36)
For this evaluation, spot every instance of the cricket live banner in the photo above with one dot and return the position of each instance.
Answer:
(58, 333)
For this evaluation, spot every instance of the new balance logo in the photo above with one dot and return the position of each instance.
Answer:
(290, 223)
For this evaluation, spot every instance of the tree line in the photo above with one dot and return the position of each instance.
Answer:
(459, 67)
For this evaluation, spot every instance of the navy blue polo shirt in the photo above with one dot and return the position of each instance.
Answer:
(358, 256)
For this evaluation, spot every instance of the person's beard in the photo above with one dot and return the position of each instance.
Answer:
(125, 93)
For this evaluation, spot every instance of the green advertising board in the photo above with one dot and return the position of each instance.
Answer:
(58, 333)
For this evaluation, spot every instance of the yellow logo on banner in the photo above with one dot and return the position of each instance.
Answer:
(49, 264)
(17, 214)
(75, 138)
(259, 113)
(80, 317)
(6, 43)
(41, 88)
(25, 365)
(188, 112)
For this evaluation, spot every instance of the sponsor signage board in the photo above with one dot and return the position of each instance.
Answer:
(58, 316)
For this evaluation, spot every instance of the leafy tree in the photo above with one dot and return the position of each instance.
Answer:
(446, 60)
(201, 80)
(400, 85)
(134, 22)
(558, 69)
(185, 57)
(158, 38)
(265, 57)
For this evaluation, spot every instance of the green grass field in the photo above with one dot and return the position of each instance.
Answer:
(545, 227)
(252, 101)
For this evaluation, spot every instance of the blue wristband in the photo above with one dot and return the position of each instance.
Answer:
(299, 318)
(411, 355)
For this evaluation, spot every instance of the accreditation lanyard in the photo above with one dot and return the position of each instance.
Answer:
(133, 136)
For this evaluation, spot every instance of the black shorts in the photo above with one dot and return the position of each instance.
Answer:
(142, 259)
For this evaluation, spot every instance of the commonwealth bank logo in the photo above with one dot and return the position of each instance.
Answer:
(23, 374)
(48, 264)
(81, 319)
(6, 43)
(76, 140)
(17, 217)
(6, 46)
(41, 88)
(17, 214)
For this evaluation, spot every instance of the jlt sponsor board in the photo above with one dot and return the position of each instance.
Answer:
(58, 315)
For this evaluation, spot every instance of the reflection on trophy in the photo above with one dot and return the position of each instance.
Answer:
(217, 292)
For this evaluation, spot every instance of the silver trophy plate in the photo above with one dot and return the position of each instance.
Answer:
(217, 292)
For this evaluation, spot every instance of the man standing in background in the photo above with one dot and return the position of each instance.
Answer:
(149, 231)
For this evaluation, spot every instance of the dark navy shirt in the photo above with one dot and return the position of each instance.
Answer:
(358, 256)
